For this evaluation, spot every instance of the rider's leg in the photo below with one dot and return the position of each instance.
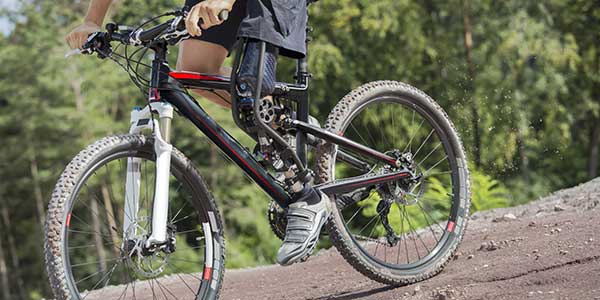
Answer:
(310, 208)
(210, 61)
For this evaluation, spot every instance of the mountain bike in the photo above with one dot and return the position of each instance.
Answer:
(131, 216)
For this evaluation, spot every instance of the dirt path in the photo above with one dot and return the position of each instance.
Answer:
(550, 250)
(547, 249)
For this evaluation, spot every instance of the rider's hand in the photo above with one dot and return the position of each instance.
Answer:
(208, 11)
(77, 37)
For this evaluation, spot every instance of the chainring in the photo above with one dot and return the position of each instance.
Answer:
(277, 219)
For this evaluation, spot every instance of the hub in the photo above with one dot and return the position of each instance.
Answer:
(405, 191)
(147, 262)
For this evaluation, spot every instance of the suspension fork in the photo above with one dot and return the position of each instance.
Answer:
(161, 131)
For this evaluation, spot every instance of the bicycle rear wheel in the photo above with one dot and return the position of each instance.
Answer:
(86, 255)
(397, 232)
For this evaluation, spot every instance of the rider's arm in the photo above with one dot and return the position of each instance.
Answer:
(91, 23)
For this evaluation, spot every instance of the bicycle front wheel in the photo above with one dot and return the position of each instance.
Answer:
(89, 253)
(403, 231)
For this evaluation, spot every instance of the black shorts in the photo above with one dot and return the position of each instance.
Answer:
(226, 33)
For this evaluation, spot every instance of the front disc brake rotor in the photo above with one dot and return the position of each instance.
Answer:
(143, 263)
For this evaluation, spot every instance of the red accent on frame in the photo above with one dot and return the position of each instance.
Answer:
(192, 75)
(68, 220)
(154, 94)
(450, 226)
(207, 273)
(341, 133)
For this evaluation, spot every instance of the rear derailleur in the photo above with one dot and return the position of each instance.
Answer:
(383, 209)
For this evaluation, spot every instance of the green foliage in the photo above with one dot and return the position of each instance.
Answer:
(487, 192)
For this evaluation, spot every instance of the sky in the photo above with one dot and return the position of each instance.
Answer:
(5, 25)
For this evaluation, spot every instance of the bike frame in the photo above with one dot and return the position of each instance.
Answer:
(166, 92)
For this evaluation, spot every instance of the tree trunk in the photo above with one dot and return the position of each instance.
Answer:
(4, 274)
(97, 235)
(470, 86)
(75, 82)
(12, 248)
(595, 138)
(110, 216)
(594, 143)
(37, 189)
(523, 158)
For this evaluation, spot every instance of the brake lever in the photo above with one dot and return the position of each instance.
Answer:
(72, 52)
(176, 32)
(86, 48)
(77, 51)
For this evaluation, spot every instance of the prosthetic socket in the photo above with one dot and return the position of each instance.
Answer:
(247, 77)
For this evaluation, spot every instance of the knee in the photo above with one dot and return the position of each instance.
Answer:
(206, 67)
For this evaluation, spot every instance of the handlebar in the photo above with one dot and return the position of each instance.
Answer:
(150, 34)
(100, 41)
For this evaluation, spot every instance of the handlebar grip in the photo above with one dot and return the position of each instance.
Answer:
(223, 16)
(153, 32)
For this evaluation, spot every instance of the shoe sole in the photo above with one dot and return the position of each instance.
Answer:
(310, 246)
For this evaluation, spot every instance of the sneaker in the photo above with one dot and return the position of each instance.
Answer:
(304, 223)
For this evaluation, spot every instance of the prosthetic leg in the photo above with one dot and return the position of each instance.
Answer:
(310, 208)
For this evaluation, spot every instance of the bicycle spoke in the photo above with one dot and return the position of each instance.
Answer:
(87, 277)
(180, 271)
(438, 173)
(152, 289)
(108, 274)
(183, 218)
(436, 164)
(88, 232)
(187, 231)
(94, 262)
(124, 292)
(99, 202)
(404, 237)
(362, 139)
(383, 135)
(86, 246)
(409, 146)
(160, 287)
(354, 215)
(428, 154)
(401, 235)
(428, 223)
(179, 211)
(88, 207)
(186, 284)
(423, 143)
